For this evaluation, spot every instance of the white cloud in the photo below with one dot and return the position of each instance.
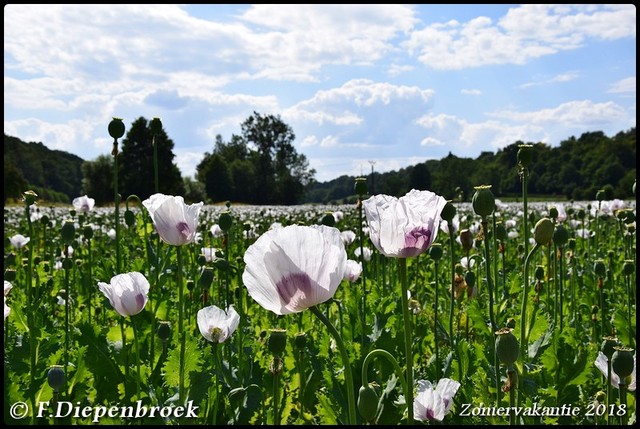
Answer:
(471, 92)
(563, 77)
(624, 86)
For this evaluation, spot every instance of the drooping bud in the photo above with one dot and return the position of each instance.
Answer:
(368, 403)
(483, 201)
(507, 347)
(466, 239)
(600, 195)
(206, 278)
(448, 211)
(129, 218)
(539, 273)
(470, 279)
(543, 231)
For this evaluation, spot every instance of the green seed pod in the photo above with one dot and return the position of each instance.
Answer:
(539, 273)
(607, 345)
(466, 239)
(599, 268)
(511, 323)
(202, 260)
(328, 219)
(622, 361)
(190, 285)
(470, 278)
(525, 154)
(164, 330)
(155, 126)
(277, 341)
(368, 403)
(507, 347)
(29, 197)
(435, 251)
(10, 275)
(225, 221)
(56, 377)
(87, 232)
(68, 232)
(628, 267)
(206, 278)
(501, 231)
(116, 128)
(360, 186)
(572, 243)
(448, 211)
(67, 263)
(300, 340)
(483, 201)
(543, 231)
(553, 213)
(560, 236)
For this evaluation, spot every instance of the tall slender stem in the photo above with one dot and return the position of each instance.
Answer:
(453, 285)
(408, 337)
(363, 276)
(181, 324)
(435, 325)
(276, 390)
(492, 319)
(523, 318)
(137, 346)
(345, 361)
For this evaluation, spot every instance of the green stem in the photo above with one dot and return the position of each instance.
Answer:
(363, 276)
(512, 395)
(608, 382)
(435, 325)
(560, 285)
(523, 318)
(380, 352)
(453, 285)
(408, 338)
(525, 214)
(116, 199)
(345, 360)
(135, 340)
(623, 401)
(492, 318)
(181, 324)
(276, 390)
(124, 348)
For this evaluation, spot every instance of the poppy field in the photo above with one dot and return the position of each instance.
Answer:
(410, 310)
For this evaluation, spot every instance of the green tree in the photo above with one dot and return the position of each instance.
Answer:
(14, 182)
(97, 180)
(136, 174)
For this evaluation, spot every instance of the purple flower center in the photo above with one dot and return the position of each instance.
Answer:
(184, 229)
(416, 242)
(140, 301)
(294, 290)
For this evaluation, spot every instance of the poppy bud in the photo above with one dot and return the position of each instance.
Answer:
(466, 239)
(470, 278)
(553, 213)
(129, 218)
(29, 197)
(116, 128)
(543, 231)
(368, 403)
(539, 273)
(206, 278)
(622, 361)
(87, 232)
(507, 347)
(600, 195)
(277, 341)
(628, 267)
(501, 231)
(67, 263)
(607, 345)
(572, 243)
(448, 211)
(190, 285)
(361, 186)
(483, 201)
(56, 377)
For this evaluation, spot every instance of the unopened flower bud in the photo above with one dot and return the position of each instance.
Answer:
(470, 278)
(368, 403)
(435, 251)
(501, 231)
(29, 197)
(87, 232)
(164, 330)
(600, 195)
(466, 239)
(553, 213)
(483, 201)
(539, 273)
(543, 231)
(206, 278)
(129, 218)
(448, 211)
(300, 340)
(155, 125)
(511, 323)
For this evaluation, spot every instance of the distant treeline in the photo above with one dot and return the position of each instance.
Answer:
(575, 169)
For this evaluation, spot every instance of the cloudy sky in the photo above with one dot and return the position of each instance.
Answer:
(361, 85)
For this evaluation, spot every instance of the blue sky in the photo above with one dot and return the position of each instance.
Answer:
(391, 84)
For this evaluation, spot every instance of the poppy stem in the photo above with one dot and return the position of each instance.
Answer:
(181, 323)
(523, 317)
(390, 358)
(345, 360)
(135, 340)
(402, 269)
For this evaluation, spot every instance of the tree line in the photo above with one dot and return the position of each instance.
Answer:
(261, 166)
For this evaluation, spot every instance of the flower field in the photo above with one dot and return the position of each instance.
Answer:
(410, 310)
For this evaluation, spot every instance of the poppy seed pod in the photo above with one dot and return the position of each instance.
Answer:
(29, 197)
(116, 128)
(525, 154)
(68, 232)
(539, 273)
(607, 345)
(156, 126)
(368, 403)
(277, 341)
(628, 267)
(553, 213)
(10, 275)
(622, 361)
(206, 278)
(599, 268)
(328, 219)
(507, 347)
(360, 186)
(543, 231)
(56, 377)
(560, 236)
(448, 211)
(300, 340)
(87, 232)
(501, 231)
(483, 201)
(436, 251)
(511, 323)
(225, 221)
(164, 330)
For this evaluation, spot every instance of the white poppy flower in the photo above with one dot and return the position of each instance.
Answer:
(216, 325)
(127, 292)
